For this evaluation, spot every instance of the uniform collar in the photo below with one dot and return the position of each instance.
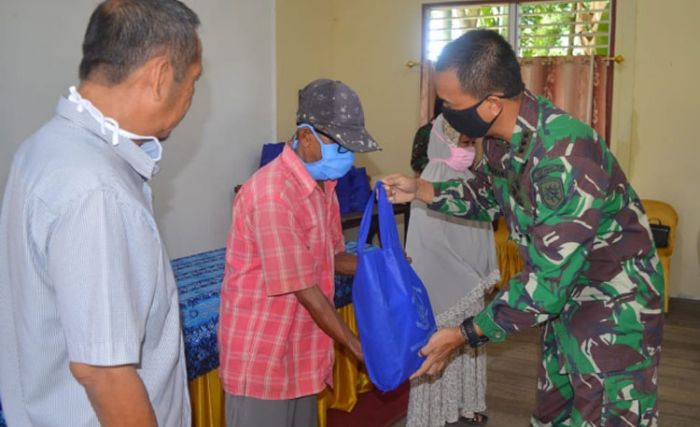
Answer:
(294, 165)
(141, 158)
(525, 126)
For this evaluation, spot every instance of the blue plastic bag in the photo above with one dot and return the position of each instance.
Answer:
(393, 312)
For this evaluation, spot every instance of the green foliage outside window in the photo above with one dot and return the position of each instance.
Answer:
(561, 28)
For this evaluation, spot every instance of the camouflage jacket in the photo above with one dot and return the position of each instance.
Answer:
(591, 268)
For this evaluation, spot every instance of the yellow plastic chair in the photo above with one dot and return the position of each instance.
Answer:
(664, 213)
(509, 262)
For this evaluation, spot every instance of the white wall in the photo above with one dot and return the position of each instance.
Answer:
(215, 147)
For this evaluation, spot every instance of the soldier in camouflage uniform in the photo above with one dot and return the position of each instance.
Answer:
(592, 279)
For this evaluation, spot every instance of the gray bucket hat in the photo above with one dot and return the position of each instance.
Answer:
(334, 109)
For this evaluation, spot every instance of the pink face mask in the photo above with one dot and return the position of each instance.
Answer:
(461, 158)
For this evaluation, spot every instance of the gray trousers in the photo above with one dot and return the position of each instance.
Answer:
(244, 411)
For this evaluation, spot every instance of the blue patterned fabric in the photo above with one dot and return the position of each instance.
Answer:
(343, 290)
(343, 284)
(198, 280)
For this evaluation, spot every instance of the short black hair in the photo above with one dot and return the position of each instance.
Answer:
(123, 34)
(485, 64)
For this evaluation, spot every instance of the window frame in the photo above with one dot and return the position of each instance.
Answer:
(512, 24)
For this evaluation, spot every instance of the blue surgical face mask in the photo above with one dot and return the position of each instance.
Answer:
(335, 161)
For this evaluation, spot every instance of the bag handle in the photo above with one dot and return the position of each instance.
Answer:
(658, 221)
(387, 223)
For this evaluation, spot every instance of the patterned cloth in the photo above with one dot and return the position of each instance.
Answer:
(284, 234)
(591, 270)
(343, 283)
(456, 260)
(596, 399)
(199, 285)
(419, 151)
(460, 390)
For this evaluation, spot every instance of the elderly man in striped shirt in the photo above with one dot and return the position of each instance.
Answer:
(89, 318)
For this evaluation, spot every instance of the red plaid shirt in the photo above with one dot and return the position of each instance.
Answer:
(284, 235)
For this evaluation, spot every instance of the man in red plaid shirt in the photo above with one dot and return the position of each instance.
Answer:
(277, 320)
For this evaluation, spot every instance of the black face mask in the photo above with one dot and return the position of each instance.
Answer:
(467, 121)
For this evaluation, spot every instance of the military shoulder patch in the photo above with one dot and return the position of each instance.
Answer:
(551, 192)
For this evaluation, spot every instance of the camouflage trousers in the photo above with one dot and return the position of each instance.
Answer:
(596, 399)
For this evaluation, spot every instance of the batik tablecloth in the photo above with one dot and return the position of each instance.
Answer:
(199, 284)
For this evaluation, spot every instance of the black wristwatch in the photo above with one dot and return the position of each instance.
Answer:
(470, 335)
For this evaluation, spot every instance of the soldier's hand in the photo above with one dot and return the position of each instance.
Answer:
(404, 189)
(439, 348)
(400, 188)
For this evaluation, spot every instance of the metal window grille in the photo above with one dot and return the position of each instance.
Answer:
(542, 28)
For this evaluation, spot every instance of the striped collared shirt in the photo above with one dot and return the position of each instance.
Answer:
(84, 276)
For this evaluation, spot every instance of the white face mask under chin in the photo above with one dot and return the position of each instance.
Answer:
(109, 124)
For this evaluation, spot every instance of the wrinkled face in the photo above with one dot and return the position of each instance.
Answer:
(179, 99)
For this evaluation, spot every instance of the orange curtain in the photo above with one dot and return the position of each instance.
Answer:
(576, 84)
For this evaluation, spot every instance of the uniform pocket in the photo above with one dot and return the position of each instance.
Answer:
(620, 413)
(629, 398)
